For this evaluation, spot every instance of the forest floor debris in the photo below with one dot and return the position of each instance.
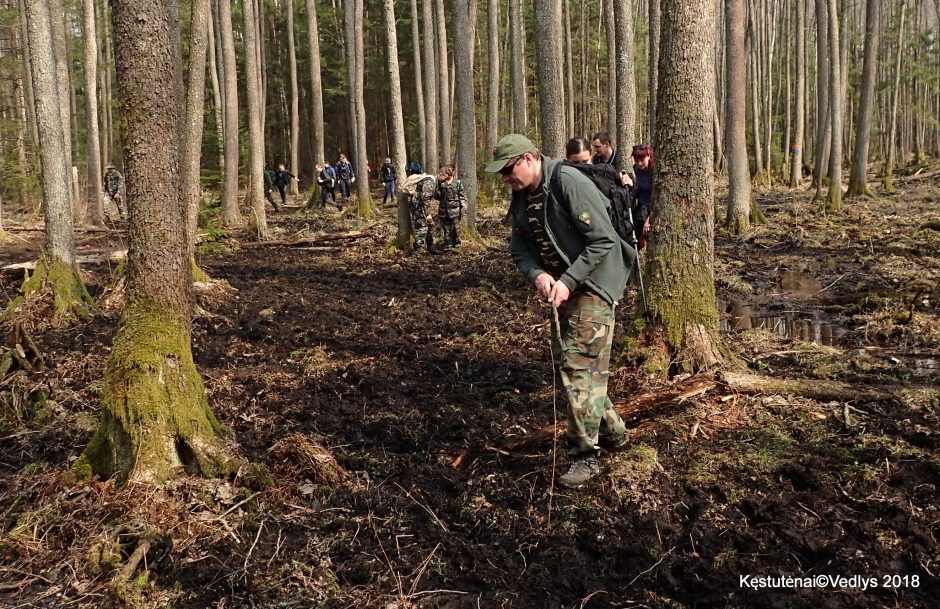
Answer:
(415, 372)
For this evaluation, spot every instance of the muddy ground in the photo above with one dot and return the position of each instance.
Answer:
(415, 371)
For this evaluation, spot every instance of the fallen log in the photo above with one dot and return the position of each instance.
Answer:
(633, 411)
(825, 391)
(307, 241)
(115, 256)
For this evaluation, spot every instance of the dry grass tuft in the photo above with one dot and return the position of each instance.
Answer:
(308, 459)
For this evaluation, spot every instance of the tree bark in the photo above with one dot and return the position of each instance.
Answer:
(626, 81)
(893, 129)
(316, 85)
(654, 34)
(294, 99)
(356, 55)
(569, 71)
(155, 420)
(93, 189)
(823, 105)
(492, 106)
(60, 48)
(610, 24)
(217, 102)
(465, 23)
(419, 96)
(799, 124)
(191, 187)
(834, 196)
(443, 83)
(231, 215)
(398, 148)
(739, 176)
(255, 130)
(681, 294)
(430, 85)
(517, 68)
(548, 54)
(56, 282)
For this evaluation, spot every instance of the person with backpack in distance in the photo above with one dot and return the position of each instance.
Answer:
(452, 200)
(564, 243)
(326, 182)
(642, 190)
(389, 178)
(345, 175)
(417, 190)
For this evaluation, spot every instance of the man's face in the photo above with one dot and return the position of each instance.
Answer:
(524, 174)
(281, 167)
(601, 148)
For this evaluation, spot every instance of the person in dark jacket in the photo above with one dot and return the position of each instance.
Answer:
(389, 178)
(282, 179)
(326, 180)
(345, 176)
(564, 243)
(642, 190)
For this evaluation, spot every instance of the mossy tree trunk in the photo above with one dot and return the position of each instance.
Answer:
(56, 281)
(858, 178)
(683, 325)
(155, 419)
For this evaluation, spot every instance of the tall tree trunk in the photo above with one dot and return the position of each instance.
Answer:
(218, 104)
(823, 105)
(551, 92)
(354, 26)
(255, 130)
(60, 48)
(419, 96)
(398, 149)
(195, 108)
(316, 85)
(155, 420)
(834, 196)
(465, 22)
(610, 24)
(739, 176)
(517, 67)
(654, 34)
(626, 81)
(492, 106)
(28, 79)
(443, 80)
(893, 129)
(56, 281)
(681, 294)
(430, 85)
(93, 191)
(107, 91)
(799, 124)
(294, 99)
(569, 71)
(231, 215)
(754, 65)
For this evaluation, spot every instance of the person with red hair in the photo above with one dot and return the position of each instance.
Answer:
(642, 190)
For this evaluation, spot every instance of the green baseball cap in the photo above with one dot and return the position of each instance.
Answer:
(510, 147)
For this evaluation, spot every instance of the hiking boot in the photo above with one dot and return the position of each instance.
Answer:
(583, 468)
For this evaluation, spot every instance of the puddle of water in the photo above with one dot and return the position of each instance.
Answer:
(795, 324)
(799, 284)
(921, 365)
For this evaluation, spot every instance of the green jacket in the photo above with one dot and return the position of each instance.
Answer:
(579, 227)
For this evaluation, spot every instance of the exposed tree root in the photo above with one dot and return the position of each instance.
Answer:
(55, 293)
(21, 353)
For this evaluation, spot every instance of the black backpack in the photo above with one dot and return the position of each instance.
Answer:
(607, 180)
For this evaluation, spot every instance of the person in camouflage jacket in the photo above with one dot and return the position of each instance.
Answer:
(452, 201)
(418, 190)
(114, 187)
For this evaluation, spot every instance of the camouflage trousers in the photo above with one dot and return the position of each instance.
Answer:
(582, 358)
(419, 223)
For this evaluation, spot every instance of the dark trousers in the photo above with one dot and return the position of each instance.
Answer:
(344, 188)
(282, 188)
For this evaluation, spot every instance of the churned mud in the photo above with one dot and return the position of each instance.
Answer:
(415, 372)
